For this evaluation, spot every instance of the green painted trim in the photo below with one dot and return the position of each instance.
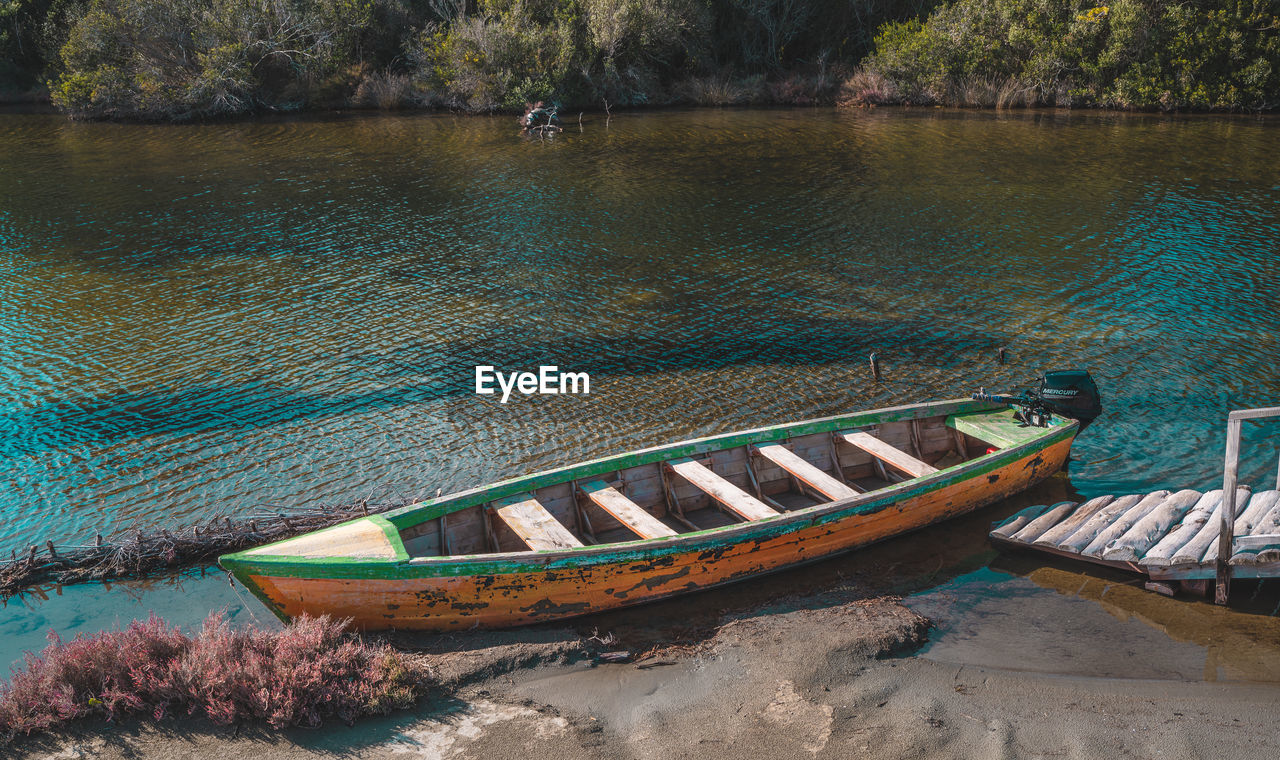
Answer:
(998, 429)
(431, 509)
(242, 575)
(383, 524)
(647, 550)
(393, 536)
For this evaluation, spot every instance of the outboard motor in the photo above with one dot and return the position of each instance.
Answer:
(1067, 393)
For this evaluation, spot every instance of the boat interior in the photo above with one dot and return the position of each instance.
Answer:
(713, 489)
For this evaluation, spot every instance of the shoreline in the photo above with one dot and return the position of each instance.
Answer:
(746, 689)
(43, 106)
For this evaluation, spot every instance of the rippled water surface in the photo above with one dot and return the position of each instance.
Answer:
(196, 319)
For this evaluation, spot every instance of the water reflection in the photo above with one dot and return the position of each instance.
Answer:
(198, 318)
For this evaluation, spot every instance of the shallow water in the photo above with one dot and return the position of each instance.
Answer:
(202, 318)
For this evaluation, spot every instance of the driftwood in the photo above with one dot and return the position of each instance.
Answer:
(138, 553)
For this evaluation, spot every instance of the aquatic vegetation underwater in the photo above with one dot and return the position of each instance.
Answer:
(311, 671)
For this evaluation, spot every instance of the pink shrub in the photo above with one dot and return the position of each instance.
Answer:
(310, 671)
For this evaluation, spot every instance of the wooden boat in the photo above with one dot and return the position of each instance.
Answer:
(651, 524)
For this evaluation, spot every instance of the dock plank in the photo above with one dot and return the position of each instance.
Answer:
(535, 526)
(1078, 540)
(805, 472)
(1152, 527)
(1262, 545)
(1171, 537)
(1262, 520)
(1124, 522)
(1248, 515)
(625, 511)
(733, 498)
(1162, 552)
(1018, 521)
(1073, 522)
(896, 458)
(1032, 530)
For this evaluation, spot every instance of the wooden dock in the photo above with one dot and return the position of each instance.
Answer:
(1184, 537)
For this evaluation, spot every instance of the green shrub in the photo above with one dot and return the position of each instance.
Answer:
(1211, 54)
(185, 58)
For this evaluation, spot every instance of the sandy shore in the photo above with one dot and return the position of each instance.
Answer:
(827, 675)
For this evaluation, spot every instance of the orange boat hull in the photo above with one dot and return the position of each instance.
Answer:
(422, 598)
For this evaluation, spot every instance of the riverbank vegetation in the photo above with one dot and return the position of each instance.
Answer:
(310, 672)
(181, 59)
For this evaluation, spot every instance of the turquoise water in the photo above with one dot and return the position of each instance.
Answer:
(198, 319)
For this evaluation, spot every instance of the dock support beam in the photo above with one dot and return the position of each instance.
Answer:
(1225, 537)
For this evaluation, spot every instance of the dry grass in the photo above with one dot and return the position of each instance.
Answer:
(310, 672)
(721, 90)
(867, 88)
(385, 90)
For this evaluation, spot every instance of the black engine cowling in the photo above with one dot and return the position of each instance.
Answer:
(1071, 393)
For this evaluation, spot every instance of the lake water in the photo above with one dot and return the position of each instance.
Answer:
(198, 319)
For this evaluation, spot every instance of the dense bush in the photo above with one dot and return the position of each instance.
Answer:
(173, 59)
(303, 675)
(153, 59)
(1203, 54)
(580, 52)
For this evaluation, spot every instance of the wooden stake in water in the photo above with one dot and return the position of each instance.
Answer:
(875, 366)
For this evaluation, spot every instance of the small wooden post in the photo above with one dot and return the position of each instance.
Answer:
(32, 558)
(52, 553)
(1000, 354)
(875, 366)
(97, 539)
(1225, 537)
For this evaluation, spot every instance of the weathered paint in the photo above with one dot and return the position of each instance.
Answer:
(497, 590)
(405, 517)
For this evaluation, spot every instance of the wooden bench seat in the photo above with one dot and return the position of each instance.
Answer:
(538, 528)
(624, 510)
(805, 472)
(733, 498)
(899, 460)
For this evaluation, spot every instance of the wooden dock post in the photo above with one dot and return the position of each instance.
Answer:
(1229, 467)
(1226, 539)
(875, 366)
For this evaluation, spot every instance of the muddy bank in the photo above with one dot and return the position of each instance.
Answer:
(825, 675)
